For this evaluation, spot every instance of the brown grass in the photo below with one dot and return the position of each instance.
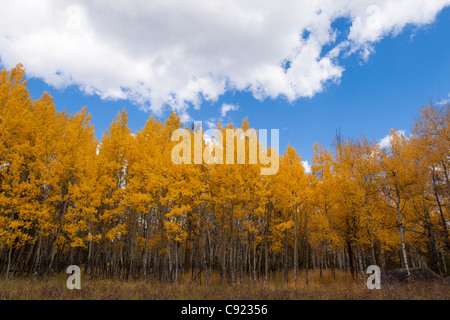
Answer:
(319, 288)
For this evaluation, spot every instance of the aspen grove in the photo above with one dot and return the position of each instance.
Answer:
(121, 209)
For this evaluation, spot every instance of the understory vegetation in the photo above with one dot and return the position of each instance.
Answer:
(319, 288)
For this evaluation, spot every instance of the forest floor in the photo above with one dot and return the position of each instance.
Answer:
(319, 288)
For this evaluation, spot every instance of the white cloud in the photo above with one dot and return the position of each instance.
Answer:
(181, 53)
(211, 123)
(185, 117)
(386, 141)
(444, 102)
(227, 108)
(307, 166)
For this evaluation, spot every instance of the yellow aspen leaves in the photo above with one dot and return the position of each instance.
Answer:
(145, 205)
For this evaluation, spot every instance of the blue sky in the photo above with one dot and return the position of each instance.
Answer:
(403, 72)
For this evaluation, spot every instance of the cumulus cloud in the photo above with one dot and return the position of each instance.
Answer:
(211, 123)
(182, 53)
(227, 108)
(307, 166)
(386, 141)
(444, 102)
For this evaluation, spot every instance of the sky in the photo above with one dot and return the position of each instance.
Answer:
(307, 68)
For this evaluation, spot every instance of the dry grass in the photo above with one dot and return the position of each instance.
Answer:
(319, 288)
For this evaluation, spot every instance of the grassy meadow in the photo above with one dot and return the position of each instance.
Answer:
(319, 288)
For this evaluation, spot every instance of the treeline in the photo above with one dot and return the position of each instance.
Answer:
(120, 208)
